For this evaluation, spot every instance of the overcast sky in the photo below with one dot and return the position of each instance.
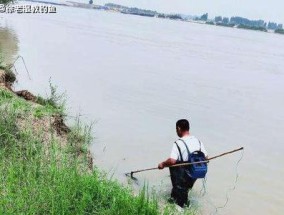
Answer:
(269, 10)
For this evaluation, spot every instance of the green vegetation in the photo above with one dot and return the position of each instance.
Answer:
(210, 23)
(225, 24)
(55, 101)
(43, 175)
(6, 1)
(43, 172)
(279, 31)
(252, 28)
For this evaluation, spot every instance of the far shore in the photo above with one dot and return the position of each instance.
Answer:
(110, 7)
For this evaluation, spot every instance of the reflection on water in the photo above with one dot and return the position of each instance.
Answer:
(8, 44)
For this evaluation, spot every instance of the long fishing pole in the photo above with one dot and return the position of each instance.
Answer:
(13, 65)
(186, 164)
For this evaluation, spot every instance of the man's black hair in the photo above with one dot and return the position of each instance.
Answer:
(183, 124)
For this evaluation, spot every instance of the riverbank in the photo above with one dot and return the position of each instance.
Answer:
(45, 165)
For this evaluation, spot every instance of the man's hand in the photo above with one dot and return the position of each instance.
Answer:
(166, 163)
(161, 166)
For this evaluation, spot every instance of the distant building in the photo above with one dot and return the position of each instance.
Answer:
(272, 26)
(204, 17)
(244, 21)
(280, 26)
(226, 20)
(218, 19)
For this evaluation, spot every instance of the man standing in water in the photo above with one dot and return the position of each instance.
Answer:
(179, 154)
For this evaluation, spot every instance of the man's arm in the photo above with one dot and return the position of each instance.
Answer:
(167, 163)
(172, 160)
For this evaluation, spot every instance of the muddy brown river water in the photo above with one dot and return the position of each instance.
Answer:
(135, 76)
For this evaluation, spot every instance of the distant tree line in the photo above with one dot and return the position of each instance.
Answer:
(254, 24)
(279, 31)
(6, 1)
(235, 21)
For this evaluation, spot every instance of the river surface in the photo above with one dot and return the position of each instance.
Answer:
(135, 76)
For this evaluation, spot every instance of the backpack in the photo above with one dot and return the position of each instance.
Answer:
(194, 171)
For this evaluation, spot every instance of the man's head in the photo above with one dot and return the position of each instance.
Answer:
(182, 127)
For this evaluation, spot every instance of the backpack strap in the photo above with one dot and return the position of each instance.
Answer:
(179, 152)
(188, 153)
(199, 145)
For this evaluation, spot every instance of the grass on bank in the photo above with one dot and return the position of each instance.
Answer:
(39, 175)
